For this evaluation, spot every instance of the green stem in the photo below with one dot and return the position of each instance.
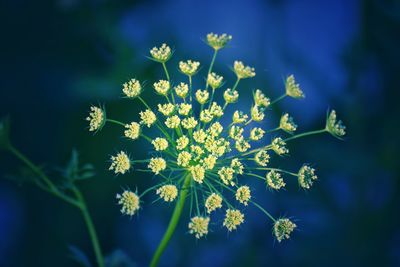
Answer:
(172, 223)
(236, 84)
(90, 227)
(278, 99)
(166, 71)
(116, 122)
(51, 188)
(79, 202)
(305, 134)
(211, 66)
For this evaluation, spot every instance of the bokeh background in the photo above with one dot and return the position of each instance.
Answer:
(58, 57)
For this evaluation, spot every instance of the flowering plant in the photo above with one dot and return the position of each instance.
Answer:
(199, 158)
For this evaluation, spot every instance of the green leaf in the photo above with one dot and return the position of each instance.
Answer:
(74, 172)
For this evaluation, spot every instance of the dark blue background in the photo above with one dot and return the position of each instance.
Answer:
(57, 57)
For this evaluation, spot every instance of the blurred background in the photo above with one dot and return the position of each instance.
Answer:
(59, 57)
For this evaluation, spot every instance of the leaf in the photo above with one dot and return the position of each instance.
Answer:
(79, 256)
(74, 172)
(119, 259)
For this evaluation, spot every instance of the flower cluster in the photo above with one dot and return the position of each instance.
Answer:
(203, 146)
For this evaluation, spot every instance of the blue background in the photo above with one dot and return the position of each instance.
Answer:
(58, 57)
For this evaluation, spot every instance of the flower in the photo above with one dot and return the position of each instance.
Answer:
(239, 117)
(120, 163)
(243, 72)
(160, 144)
(199, 226)
(274, 180)
(287, 124)
(129, 201)
(157, 165)
(209, 162)
(278, 146)
(173, 122)
(257, 113)
(167, 192)
(147, 117)
(206, 116)
(306, 176)
(231, 96)
(200, 136)
(241, 144)
(132, 130)
(202, 96)
(182, 90)
(292, 88)
(162, 87)
(226, 175)
(256, 134)
(334, 126)
(198, 172)
(262, 158)
(213, 202)
(96, 118)
(214, 80)
(218, 41)
(132, 88)
(233, 218)
(198, 151)
(182, 142)
(184, 109)
(283, 228)
(260, 99)
(161, 54)
(189, 67)
(166, 109)
(184, 158)
(243, 194)
(236, 132)
(216, 110)
(189, 123)
(237, 166)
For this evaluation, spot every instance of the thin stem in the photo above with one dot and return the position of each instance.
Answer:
(79, 202)
(90, 227)
(211, 66)
(172, 223)
(116, 122)
(236, 84)
(305, 134)
(190, 89)
(278, 99)
(263, 210)
(51, 188)
(276, 169)
(165, 70)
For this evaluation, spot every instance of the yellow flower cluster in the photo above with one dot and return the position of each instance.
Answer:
(199, 226)
(132, 88)
(202, 146)
(167, 192)
(96, 118)
(189, 67)
(129, 202)
(120, 163)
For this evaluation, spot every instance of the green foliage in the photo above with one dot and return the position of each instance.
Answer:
(74, 172)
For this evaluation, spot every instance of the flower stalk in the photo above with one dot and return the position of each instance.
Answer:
(46, 184)
(172, 223)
